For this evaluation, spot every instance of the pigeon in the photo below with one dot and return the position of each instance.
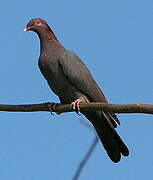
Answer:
(69, 78)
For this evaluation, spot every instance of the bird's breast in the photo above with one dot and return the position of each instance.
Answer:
(58, 82)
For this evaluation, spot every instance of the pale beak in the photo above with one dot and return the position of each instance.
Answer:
(26, 29)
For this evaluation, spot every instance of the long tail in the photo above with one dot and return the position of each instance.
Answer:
(111, 141)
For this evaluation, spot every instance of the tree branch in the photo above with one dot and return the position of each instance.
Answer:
(94, 106)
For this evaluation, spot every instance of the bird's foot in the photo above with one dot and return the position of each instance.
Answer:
(52, 107)
(75, 106)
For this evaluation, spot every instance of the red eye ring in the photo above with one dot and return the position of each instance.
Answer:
(38, 23)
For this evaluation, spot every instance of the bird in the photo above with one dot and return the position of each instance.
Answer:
(70, 79)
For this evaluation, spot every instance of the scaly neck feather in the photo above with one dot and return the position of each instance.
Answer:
(48, 40)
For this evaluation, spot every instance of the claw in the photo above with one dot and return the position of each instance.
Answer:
(52, 109)
(75, 106)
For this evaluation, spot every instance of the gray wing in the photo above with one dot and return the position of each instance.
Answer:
(79, 75)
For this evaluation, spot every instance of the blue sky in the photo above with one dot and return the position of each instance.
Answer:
(115, 40)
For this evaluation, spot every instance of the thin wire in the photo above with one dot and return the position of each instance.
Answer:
(85, 159)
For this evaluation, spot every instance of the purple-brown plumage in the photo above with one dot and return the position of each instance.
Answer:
(70, 80)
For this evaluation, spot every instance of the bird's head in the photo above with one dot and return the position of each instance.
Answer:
(35, 24)
(45, 33)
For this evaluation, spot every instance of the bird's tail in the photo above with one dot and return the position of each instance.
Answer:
(111, 141)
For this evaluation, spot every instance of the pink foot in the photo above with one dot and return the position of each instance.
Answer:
(75, 105)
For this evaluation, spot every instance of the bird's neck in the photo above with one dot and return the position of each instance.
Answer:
(48, 40)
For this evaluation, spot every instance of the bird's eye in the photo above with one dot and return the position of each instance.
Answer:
(38, 23)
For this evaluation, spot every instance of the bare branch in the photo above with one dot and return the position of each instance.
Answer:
(94, 106)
